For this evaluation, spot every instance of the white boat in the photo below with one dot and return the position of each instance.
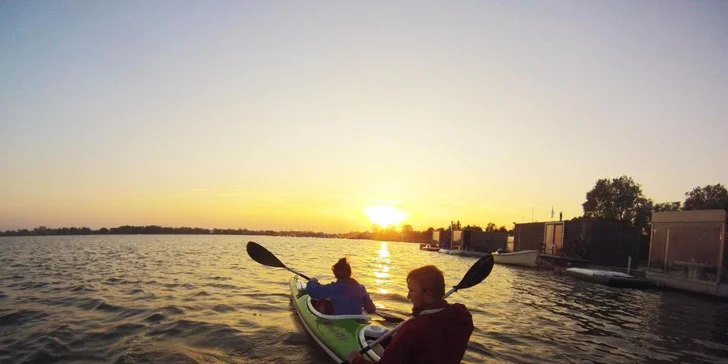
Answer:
(598, 273)
(471, 253)
(525, 258)
(429, 248)
(609, 278)
(451, 251)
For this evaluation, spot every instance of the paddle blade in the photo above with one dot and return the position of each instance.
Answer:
(389, 318)
(477, 272)
(261, 255)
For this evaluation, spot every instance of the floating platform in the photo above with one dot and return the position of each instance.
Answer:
(609, 278)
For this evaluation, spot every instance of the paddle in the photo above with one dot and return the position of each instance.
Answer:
(474, 275)
(263, 256)
(389, 318)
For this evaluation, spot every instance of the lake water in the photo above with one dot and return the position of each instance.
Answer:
(201, 299)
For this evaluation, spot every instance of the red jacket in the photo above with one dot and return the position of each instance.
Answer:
(439, 337)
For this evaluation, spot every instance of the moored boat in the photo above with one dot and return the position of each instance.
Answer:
(525, 258)
(429, 247)
(609, 278)
(472, 253)
(451, 251)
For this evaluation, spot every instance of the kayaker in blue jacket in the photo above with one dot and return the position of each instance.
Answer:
(346, 295)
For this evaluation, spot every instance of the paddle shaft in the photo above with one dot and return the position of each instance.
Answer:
(298, 273)
(389, 318)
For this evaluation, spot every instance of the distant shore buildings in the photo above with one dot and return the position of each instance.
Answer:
(687, 249)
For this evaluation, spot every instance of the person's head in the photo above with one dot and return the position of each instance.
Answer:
(342, 269)
(426, 285)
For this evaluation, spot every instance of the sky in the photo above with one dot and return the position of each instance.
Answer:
(306, 115)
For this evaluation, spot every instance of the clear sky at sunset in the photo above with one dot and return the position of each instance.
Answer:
(299, 115)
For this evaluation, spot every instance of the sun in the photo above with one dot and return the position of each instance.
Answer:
(385, 215)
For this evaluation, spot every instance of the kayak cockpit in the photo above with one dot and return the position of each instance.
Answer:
(368, 335)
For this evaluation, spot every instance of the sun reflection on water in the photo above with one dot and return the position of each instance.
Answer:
(383, 251)
(381, 269)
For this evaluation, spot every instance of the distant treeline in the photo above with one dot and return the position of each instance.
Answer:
(389, 234)
(614, 199)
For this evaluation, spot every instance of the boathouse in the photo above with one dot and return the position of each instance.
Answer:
(582, 241)
(688, 251)
(483, 241)
(441, 238)
(471, 240)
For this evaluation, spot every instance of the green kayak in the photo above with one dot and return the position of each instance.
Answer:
(338, 335)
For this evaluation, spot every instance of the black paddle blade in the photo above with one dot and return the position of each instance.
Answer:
(389, 318)
(261, 255)
(477, 272)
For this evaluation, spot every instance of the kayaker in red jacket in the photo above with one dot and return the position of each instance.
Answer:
(438, 333)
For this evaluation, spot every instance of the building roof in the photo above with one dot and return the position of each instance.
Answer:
(690, 216)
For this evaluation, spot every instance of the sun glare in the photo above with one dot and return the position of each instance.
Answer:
(385, 215)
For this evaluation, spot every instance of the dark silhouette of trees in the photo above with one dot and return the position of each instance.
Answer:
(390, 233)
(706, 198)
(615, 199)
(621, 199)
(667, 206)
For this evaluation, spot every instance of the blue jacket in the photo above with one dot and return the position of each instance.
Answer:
(347, 298)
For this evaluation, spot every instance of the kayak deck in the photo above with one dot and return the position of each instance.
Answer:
(338, 335)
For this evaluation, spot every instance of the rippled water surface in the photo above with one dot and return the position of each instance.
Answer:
(200, 299)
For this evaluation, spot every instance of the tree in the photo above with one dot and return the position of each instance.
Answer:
(407, 232)
(473, 227)
(617, 199)
(502, 229)
(376, 228)
(706, 198)
(645, 208)
(643, 215)
(667, 206)
(490, 227)
(40, 230)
